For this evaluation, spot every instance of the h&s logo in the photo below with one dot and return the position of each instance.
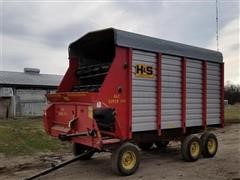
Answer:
(143, 70)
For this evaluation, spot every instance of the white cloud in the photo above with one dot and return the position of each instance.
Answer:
(111, 15)
(229, 45)
(25, 53)
(41, 17)
(38, 34)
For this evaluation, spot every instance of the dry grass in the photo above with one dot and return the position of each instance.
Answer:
(232, 113)
(26, 137)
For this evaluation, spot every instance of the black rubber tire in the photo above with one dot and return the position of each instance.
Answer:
(79, 149)
(205, 150)
(116, 159)
(161, 144)
(186, 148)
(145, 146)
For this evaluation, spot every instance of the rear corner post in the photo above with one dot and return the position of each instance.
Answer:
(222, 95)
(184, 94)
(159, 92)
(204, 94)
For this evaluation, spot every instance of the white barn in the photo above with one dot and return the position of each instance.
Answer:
(23, 93)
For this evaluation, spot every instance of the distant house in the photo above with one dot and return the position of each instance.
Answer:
(23, 93)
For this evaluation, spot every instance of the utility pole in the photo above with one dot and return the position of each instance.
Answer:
(217, 38)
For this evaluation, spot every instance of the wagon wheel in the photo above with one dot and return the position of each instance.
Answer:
(80, 149)
(210, 144)
(125, 159)
(145, 146)
(191, 148)
(162, 144)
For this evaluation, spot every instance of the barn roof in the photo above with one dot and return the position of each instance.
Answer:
(28, 79)
(142, 42)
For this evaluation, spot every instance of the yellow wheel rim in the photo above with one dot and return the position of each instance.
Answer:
(195, 149)
(128, 160)
(211, 145)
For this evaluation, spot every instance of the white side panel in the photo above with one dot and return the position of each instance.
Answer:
(171, 92)
(193, 93)
(213, 93)
(143, 94)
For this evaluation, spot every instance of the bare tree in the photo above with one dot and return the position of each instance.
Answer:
(232, 93)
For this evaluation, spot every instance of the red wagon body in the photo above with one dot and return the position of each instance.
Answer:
(122, 87)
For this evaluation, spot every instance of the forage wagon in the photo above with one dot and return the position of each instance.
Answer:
(124, 91)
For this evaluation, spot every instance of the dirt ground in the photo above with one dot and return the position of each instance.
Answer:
(155, 164)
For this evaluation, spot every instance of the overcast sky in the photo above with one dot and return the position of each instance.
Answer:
(37, 33)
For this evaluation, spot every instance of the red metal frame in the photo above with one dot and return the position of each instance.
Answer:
(130, 93)
(204, 94)
(222, 95)
(121, 101)
(159, 92)
(48, 117)
(67, 105)
(184, 94)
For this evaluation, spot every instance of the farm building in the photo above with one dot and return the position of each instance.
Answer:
(23, 93)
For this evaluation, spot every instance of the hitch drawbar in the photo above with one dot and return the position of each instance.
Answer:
(58, 166)
(65, 137)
